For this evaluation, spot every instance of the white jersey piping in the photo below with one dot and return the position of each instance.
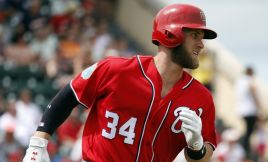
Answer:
(188, 83)
(151, 104)
(159, 129)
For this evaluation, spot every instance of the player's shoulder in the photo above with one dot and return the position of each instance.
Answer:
(199, 88)
(145, 60)
(127, 59)
(145, 57)
(115, 61)
(118, 59)
(203, 90)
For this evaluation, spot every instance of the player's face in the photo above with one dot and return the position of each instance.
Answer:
(187, 53)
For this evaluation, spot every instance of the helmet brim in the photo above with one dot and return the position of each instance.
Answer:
(208, 33)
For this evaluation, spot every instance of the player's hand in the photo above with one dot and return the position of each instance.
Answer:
(191, 127)
(37, 151)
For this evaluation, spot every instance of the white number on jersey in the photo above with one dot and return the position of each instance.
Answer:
(111, 125)
(127, 129)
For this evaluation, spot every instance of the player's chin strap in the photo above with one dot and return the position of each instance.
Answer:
(192, 127)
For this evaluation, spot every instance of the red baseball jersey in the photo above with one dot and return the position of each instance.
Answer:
(129, 120)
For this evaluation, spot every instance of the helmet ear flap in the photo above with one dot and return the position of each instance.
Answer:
(169, 35)
(168, 38)
(174, 37)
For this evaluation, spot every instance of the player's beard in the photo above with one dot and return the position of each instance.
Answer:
(182, 57)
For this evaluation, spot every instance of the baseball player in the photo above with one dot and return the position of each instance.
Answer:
(143, 108)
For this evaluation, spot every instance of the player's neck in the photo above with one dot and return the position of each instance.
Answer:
(170, 72)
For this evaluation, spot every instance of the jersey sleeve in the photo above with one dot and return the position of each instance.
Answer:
(87, 85)
(208, 122)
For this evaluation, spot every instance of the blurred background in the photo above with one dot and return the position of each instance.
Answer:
(45, 43)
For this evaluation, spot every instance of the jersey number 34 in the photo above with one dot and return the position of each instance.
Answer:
(126, 130)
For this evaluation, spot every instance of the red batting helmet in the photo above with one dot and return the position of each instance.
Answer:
(170, 21)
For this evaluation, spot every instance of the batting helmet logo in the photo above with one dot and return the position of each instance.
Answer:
(202, 15)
